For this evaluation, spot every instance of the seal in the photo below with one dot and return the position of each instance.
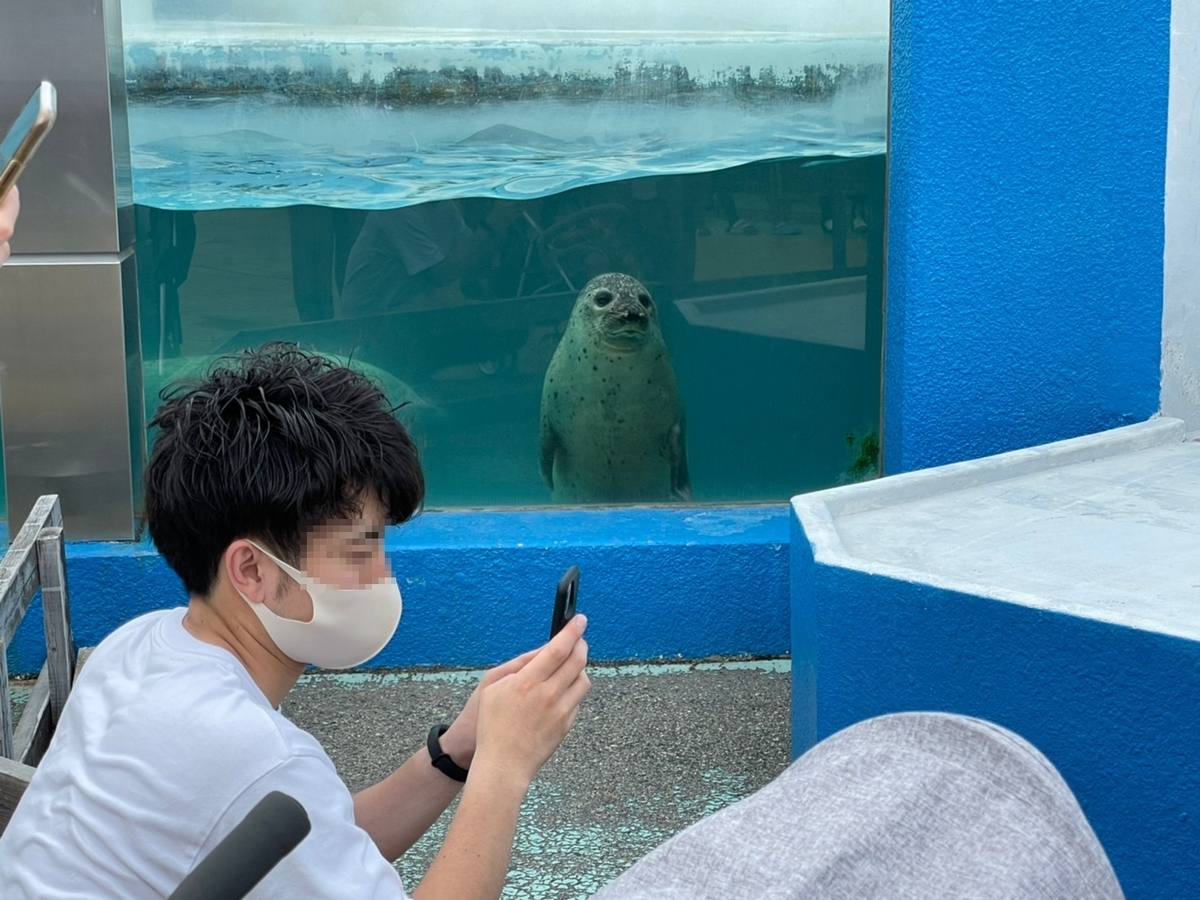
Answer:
(612, 424)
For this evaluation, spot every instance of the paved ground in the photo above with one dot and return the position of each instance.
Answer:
(655, 748)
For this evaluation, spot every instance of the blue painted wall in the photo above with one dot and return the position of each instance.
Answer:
(1025, 244)
(478, 587)
(1115, 709)
(1024, 305)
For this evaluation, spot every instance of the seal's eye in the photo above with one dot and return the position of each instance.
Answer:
(644, 299)
(602, 298)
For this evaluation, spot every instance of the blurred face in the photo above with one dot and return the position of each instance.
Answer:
(342, 553)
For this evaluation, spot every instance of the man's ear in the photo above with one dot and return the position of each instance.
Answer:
(243, 565)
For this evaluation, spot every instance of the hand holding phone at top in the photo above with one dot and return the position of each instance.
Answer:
(525, 715)
(10, 206)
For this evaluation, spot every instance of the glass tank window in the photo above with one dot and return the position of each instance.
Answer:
(595, 254)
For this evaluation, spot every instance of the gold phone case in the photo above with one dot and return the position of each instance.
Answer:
(36, 119)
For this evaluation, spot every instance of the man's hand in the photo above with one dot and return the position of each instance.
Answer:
(8, 221)
(524, 716)
(459, 739)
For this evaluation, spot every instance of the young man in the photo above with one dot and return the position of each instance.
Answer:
(267, 492)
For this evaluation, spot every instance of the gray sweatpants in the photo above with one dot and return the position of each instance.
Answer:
(913, 806)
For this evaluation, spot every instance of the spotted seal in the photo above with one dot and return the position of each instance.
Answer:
(612, 423)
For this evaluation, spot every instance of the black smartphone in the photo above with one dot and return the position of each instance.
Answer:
(564, 600)
(31, 125)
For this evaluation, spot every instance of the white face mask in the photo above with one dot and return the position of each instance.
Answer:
(348, 626)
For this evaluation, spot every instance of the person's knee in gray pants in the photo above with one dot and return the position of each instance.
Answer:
(911, 806)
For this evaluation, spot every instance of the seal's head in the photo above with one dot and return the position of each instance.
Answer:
(618, 310)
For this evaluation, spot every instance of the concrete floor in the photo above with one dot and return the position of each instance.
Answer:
(656, 747)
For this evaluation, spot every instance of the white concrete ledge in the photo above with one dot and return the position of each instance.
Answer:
(1105, 526)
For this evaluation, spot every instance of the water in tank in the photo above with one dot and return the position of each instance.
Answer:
(428, 193)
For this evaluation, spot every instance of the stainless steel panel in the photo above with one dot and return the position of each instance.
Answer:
(135, 403)
(72, 195)
(71, 390)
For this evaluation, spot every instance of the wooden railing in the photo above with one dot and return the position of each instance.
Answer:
(36, 560)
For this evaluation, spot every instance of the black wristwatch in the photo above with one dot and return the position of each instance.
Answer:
(441, 759)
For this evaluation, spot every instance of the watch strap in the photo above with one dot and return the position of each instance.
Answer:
(440, 758)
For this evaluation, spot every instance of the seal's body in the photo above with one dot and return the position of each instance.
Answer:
(612, 422)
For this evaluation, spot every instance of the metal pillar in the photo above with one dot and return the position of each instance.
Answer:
(70, 356)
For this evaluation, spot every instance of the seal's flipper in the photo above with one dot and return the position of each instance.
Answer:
(549, 449)
(681, 481)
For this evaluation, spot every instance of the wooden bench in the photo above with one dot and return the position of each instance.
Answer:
(35, 561)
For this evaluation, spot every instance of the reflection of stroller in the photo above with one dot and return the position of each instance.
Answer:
(574, 248)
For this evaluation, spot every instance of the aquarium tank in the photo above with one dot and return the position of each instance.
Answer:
(425, 191)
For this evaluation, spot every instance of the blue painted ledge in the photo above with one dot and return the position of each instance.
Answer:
(478, 586)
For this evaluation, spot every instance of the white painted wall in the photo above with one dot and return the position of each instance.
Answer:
(1181, 270)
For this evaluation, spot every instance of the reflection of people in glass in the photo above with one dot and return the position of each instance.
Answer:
(166, 240)
(432, 254)
(586, 232)
(321, 242)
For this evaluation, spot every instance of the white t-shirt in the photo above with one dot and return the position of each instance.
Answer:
(164, 746)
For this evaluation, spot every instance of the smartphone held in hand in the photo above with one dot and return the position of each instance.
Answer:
(564, 600)
(32, 124)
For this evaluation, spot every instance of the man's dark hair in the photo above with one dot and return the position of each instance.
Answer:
(270, 443)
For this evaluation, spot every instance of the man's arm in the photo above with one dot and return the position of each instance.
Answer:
(399, 809)
(8, 221)
(523, 718)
